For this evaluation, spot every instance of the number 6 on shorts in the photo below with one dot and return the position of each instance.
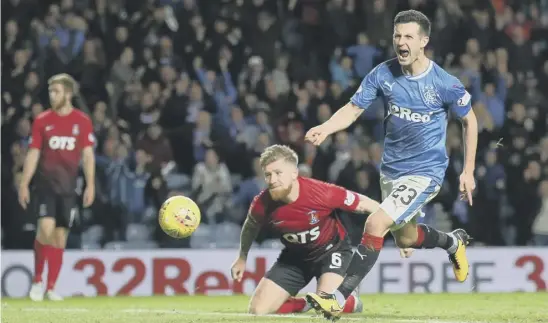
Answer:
(403, 198)
(336, 260)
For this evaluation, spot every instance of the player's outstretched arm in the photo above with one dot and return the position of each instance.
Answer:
(366, 205)
(345, 116)
(341, 120)
(470, 133)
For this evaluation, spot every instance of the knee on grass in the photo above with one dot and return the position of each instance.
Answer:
(259, 310)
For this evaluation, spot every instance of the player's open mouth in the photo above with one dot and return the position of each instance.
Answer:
(404, 53)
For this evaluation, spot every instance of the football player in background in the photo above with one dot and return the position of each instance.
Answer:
(418, 94)
(302, 211)
(61, 137)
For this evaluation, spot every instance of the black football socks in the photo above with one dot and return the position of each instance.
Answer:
(430, 238)
(363, 260)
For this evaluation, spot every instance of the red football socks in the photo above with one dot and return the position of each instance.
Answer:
(349, 304)
(55, 260)
(39, 261)
(298, 305)
(372, 242)
(292, 305)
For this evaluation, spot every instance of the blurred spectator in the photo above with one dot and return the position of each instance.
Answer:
(364, 55)
(155, 144)
(341, 69)
(540, 225)
(486, 212)
(211, 186)
(247, 190)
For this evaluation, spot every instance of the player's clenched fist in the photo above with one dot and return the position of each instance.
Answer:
(238, 269)
(24, 196)
(406, 253)
(316, 135)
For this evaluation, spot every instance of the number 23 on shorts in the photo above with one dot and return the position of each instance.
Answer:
(407, 196)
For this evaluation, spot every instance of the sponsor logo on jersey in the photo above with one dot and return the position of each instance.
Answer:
(62, 143)
(408, 114)
(313, 217)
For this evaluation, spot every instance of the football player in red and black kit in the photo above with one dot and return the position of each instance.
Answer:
(302, 211)
(61, 138)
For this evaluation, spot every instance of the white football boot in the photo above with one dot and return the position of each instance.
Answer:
(52, 296)
(36, 292)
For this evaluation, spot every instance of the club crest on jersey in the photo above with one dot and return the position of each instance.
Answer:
(313, 217)
(75, 130)
(431, 96)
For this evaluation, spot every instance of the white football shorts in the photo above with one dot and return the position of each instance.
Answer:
(403, 198)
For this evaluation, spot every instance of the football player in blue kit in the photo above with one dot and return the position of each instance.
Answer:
(418, 95)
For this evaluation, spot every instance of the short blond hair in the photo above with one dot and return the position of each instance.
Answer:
(67, 81)
(277, 152)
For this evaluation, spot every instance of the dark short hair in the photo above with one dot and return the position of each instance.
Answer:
(415, 16)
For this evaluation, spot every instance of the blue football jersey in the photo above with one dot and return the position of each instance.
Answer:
(416, 116)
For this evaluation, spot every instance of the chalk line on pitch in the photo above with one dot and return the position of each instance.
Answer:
(183, 312)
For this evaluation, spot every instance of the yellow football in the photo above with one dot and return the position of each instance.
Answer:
(179, 217)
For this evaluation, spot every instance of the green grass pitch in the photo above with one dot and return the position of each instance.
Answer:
(415, 308)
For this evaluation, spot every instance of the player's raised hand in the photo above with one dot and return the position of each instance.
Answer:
(467, 186)
(238, 269)
(406, 253)
(89, 196)
(24, 196)
(316, 135)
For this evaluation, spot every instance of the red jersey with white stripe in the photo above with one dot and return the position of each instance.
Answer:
(60, 139)
(309, 226)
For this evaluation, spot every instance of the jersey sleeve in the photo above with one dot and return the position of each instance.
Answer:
(341, 198)
(87, 137)
(368, 90)
(36, 136)
(456, 96)
(257, 210)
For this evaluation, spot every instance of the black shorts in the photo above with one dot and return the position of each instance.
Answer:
(62, 208)
(293, 274)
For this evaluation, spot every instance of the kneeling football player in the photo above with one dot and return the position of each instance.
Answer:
(302, 211)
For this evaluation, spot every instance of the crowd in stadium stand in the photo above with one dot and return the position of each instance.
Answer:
(185, 94)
